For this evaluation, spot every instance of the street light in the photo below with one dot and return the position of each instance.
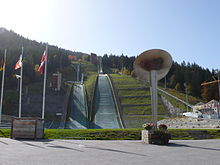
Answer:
(217, 72)
(165, 82)
(186, 97)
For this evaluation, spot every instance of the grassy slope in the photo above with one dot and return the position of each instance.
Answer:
(192, 100)
(130, 113)
(91, 71)
(135, 116)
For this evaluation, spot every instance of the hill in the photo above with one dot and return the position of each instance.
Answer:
(181, 77)
(135, 101)
(58, 60)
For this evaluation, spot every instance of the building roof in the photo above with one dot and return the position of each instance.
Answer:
(200, 103)
(212, 102)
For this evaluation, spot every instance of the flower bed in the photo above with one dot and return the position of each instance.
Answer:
(158, 135)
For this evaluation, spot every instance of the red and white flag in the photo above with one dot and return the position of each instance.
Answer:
(42, 64)
(19, 63)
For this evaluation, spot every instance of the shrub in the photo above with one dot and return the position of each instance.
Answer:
(148, 126)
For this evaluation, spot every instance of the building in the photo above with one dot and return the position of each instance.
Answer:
(93, 58)
(210, 110)
(56, 81)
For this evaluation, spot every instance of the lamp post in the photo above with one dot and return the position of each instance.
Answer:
(217, 72)
(165, 82)
(186, 97)
(77, 72)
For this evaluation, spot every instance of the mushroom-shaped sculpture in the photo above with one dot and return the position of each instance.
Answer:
(153, 65)
(154, 59)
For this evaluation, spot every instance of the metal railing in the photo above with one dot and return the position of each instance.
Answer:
(174, 97)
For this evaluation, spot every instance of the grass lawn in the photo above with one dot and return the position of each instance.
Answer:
(122, 134)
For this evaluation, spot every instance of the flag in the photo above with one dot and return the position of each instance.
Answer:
(41, 69)
(2, 65)
(19, 63)
(43, 60)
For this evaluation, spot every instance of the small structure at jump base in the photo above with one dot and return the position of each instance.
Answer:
(27, 128)
(151, 66)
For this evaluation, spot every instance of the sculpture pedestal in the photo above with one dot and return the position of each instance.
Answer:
(146, 136)
(151, 138)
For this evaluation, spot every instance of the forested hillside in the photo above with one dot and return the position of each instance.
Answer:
(58, 58)
(182, 77)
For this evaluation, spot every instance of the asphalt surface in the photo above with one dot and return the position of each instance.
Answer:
(105, 116)
(66, 152)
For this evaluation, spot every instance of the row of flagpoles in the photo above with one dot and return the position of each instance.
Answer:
(19, 65)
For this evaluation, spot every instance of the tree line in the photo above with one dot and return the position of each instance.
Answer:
(118, 62)
(184, 77)
(33, 50)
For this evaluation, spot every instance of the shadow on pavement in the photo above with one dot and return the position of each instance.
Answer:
(33, 145)
(190, 146)
(104, 149)
(113, 150)
(62, 147)
(33, 140)
(4, 143)
(46, 143)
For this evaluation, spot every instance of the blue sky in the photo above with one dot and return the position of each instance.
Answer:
(189, 29)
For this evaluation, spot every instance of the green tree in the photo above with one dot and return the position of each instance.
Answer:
(178, 87)
(126, 71)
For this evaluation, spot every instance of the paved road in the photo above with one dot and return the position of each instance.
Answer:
(105, 116)
(68, 152)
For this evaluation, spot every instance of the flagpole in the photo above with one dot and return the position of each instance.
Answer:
(2, 90)
(22, 50)
(45, 81)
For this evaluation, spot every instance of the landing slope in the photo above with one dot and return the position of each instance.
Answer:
(105, 114)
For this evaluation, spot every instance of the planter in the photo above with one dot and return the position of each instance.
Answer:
(146, 136)
(149, 137)
(156, 139)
